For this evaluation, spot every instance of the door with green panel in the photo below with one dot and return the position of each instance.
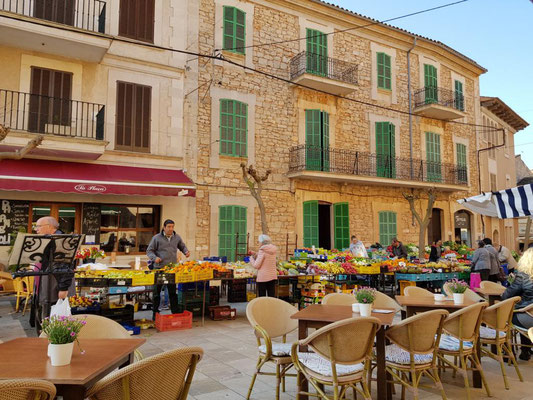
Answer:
(232, 221)
(317, 140)
(433, 159)
(310, 223)
(317, 52)
(430, 84)
(341, 225)
(385, 150)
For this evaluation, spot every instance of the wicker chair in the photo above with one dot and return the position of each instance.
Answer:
(26, 389)
(413, 352)
(384, 301)
(24, 288)
(492, 286)
(339, 299)
(460, 340)
(6, 281)
(165, 376)
(518, 330)
(341, 358)
(415, 291)
(497, 332)
(469, 294)
(270, 317)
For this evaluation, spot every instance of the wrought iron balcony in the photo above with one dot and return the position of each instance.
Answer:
(51, 115)
(88, 15)
(435, 102)
(315, 70)
(305, 158)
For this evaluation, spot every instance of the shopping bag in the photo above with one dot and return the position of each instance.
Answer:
(61, 309)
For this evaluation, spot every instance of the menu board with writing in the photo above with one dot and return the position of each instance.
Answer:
(14, 216)
(90, 222)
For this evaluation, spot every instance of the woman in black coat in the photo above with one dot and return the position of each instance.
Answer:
(436, 251)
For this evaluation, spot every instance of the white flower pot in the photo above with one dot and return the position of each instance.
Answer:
(458, 298)
(60, 354)
(355, 307)
(365, 310)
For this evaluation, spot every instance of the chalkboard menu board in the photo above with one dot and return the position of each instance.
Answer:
(90, 223)
(14, 215)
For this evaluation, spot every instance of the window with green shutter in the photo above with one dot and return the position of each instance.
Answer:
(433, 159)
(430, 84)
(387, 227)
(385, 150)
(384, 71)
(234, 30)
(459, 102)
(462, 172)
(342, 225)
(233, 128)
(310, 223)
(317, 52)
(231, 221)
(317, 140)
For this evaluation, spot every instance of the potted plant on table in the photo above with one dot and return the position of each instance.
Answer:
(90, 255)
(365, 297)
(458, 289)
(62, 332)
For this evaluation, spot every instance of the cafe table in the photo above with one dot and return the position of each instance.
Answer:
(491, 294)
(319, 315)
(26, 358)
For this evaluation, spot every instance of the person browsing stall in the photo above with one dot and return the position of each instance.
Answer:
(506, 257)
(398, 249)
(436, 251)
(357, 248)
(265, 263)
(163, 250)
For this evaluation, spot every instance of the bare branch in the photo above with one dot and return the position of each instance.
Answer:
(21, 153)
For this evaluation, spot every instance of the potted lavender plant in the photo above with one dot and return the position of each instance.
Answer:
(365, 297)
(62, 332)
(458, 289)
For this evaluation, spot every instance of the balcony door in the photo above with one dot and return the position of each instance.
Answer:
(430, 84)
(60, 11)
(317, 140)
(317, 52)
(50, 95)
(385, 150)
(434, 166)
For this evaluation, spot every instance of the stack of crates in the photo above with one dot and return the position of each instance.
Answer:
(237, 291)
(190, 297)
(214, 296)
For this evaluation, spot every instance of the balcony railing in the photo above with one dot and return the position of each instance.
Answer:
(349, 162)
(440, 96)
(51, 115)
(89, 15)
(316, 64)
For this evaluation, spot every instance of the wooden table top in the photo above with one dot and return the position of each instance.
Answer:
(334, 313)
(430, 302)
(27, 358)
(490, 291)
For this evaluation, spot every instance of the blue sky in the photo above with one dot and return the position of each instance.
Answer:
(495, 33)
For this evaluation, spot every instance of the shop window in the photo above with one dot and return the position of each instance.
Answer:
(128, 228)
(234, 30)
(233, 128)
(232, 222)
(133, 117)
(136, 19)
(68, 216)
(387, 227)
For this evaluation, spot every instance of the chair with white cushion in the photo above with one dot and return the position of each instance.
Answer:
(341, 358)
(413, 352)
(460, 339)
(415, 291)
(497, 332)
(339, 299)
(271, 319)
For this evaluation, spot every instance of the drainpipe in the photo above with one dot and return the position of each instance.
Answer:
(410, 106)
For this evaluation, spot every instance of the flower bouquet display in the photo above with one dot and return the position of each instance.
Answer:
(365, 297)
(458, 288)
(90, 255)
(62, 332)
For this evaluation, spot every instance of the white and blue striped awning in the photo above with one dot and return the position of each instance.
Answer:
(508, 203)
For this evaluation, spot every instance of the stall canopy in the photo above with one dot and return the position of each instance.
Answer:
(509, 203)
(71, 177)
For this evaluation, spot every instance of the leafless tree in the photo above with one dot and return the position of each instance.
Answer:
(21, 153)
(423, 222)
(255, 184)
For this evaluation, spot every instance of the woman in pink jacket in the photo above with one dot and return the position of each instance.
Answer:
(265, 263)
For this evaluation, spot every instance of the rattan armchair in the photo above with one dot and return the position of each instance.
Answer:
(341, 358)
(469, 293)
(165, 376)
(460, 340)
(492, 286)
(519, 330)
(413, 352)
(339, 299)
(497, 332)
(271, 319)
(384, 301)
(415, 291)
(25, 389)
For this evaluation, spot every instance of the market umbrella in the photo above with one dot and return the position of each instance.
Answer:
(508, 203)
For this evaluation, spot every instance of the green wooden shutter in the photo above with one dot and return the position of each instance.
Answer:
(434, 167)
(462, 171)
(310, 223)
(385, 150)
(387, 227)
(233, 128)
(430, 84)
(459, 97)
(317, 52)
(317, 140)
(342, 225)
(234, 30)
(324, 119)
(384, 71)
(232, 220)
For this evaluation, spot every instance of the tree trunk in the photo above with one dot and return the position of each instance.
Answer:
(255, 185)
(527, 233)
(422, 242)
(422, 223)
(262, 210)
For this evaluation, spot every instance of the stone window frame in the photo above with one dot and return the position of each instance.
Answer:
(113, 9)
(431, 61)
(308, 24)
(388, 96)
(397, 122)
(435, 129)
(311, 105)
(457, 77)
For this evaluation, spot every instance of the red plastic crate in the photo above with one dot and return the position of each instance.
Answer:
(173, 322)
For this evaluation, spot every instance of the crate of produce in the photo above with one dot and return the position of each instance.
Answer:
(223, 274)
(119, 281)
(132, 329)
(92, 282)
(219, 313)
(162, 278)
(214, 296)
(250, 296)
(185, 276)
(173, 322)
(188, 296)
(143, 278)
(369, 270)
(118, 290)
(125, 314)
(144, 323)
(94, 309)
(203, 275)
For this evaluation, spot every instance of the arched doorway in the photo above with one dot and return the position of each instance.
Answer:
(435, 226)
(462, 227)
(495, 236)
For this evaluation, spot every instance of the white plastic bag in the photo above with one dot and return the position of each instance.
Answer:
(61, 308)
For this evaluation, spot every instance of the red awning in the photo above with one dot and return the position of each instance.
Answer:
(70, 177)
